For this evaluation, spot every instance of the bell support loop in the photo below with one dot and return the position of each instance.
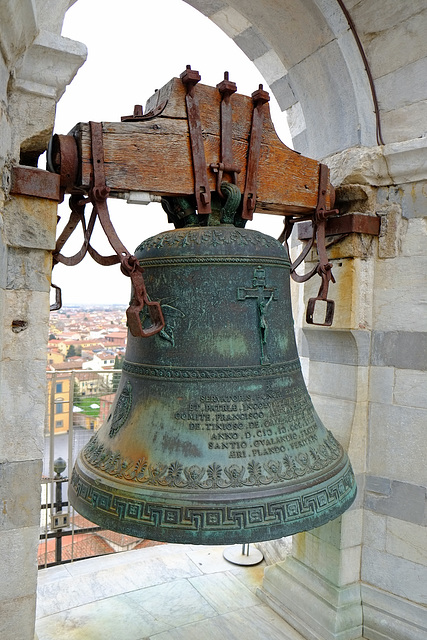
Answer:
(98, 194)
(129, 264)
(323, 266)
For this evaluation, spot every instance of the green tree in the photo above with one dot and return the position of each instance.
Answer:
(71, 351)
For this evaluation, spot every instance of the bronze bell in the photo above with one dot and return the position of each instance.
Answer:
(213, 438)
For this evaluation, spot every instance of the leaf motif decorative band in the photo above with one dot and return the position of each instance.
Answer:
(212, 476)
(211, 373)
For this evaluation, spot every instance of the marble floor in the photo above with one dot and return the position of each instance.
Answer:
(166, 592)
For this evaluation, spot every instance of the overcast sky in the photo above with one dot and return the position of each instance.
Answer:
(135, 47)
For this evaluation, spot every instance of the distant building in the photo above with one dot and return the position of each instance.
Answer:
(117, 339)
(59, 405)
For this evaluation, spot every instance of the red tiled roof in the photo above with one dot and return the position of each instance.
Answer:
(84, 545)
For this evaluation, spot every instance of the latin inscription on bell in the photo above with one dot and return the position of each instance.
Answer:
(251, 426)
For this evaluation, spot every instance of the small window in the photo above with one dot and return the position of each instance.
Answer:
(59, 387)
(59, 424)
(59, 407)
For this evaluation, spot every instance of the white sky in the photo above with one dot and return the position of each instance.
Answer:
(135, 47)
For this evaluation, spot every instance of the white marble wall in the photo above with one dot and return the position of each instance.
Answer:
(36, 63)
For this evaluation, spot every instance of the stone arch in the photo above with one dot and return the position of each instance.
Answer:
(309, 57)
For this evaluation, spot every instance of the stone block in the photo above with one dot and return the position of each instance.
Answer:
(343, 532)
(339, 566)
(49, 65)
(28, 269)
(230, 21)
(333, 16)
(388, 616)
(414, 242)
(385, 50)
(403, 124)
(410, 389)
(207, 7)
(300, 141)
(358, 438)
(400, 349)
(30, 222)
(404, 86)
(401, 500)
(406, 540)
(50, 15)
(5, 140)
(392, 230)
(4, 79)
(336, 346)
(355, 245)
(283, 93)
(271, 68)
(398, 576)
(397, 443)
(375, 484)
(365, 13)
(325, 69)
(374, 530)
(381, 384)
(22, 410)
(352, 291)
(17, 617)
(400, 296)
(311, 604)
(336, 380)
(252, 43)
(20, 494)
(18, 28)
(414, 199)
(3, 265)
(361, 92)
(18, 550)
(25, 342)
(296, 120)
(275, 550)
(337, 415)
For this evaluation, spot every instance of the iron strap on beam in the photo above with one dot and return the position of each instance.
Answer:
(202, 192)
(259, 98)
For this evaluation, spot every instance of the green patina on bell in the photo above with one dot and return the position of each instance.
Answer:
(213, 438)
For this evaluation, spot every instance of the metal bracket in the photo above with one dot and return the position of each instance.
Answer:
(343, 225)
(260, 98)
(29, 181)
(201, 183)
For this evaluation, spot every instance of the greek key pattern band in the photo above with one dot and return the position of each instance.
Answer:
(312, 505)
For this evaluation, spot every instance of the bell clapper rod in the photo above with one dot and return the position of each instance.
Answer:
(241, 555)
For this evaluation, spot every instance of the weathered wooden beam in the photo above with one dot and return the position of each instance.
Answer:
(155, 155)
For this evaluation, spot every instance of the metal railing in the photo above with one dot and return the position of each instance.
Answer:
(78, 402)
